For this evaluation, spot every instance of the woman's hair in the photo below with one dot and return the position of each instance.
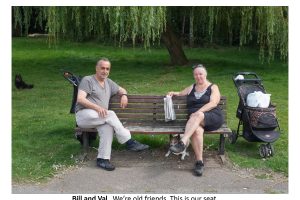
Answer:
(201, 66)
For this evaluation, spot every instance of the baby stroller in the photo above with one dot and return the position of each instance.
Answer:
(259, 124)
(75, 80)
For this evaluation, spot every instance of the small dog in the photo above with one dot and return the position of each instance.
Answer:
(174, 139)
(20, 84)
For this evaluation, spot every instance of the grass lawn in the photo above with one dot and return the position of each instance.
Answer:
(42, 128)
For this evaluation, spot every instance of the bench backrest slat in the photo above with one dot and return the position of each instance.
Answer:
(150, 109)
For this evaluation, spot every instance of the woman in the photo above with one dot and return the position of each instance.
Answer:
(204, 114)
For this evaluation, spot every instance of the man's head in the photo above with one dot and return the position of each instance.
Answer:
(103, 68)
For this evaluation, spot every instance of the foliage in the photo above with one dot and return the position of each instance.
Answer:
(266, 27)
(80, 23)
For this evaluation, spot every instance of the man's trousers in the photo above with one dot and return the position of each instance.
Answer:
(106, 127)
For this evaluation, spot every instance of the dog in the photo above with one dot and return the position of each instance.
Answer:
(174, 139)
(20, 84)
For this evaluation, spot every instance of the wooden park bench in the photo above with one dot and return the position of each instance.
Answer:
(144, 114)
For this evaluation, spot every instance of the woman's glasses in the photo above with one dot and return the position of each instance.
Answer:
(199, 65)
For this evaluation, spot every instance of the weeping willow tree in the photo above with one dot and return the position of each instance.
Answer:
(262, 27)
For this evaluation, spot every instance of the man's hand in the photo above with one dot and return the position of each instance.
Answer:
(124, 101)
(102, 112)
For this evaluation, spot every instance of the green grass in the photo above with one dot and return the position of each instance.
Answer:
(42, 128)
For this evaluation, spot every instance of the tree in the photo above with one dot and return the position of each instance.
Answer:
(264, 27)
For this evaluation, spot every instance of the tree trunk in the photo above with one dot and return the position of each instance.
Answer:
(182, 27)
(191, 35)
(174, 47)
(230, 33)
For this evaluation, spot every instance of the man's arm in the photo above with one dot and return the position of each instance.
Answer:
(81, 99)
(124, 100)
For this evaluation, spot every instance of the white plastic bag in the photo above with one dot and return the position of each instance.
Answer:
(264, 100)
(239, 77)
(252, 99)
(169, 109)
(258, 99)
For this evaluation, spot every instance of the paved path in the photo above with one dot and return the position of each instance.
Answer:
(151, 172)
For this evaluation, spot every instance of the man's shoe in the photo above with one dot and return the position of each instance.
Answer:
(178, 148)
(199, 168)
(105, 164)
(136, 146)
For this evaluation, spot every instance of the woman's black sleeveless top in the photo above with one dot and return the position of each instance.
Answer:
(194, 104)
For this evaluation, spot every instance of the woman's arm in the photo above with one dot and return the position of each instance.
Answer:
(184, 92)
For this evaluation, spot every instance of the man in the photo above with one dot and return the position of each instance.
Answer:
(93, 97)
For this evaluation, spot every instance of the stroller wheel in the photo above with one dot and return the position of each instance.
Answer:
(233, 137)
(263, 151)
(270, 149)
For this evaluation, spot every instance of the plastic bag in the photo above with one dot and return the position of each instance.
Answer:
(264, 101)
(169, 109)
(258, 99)
(252, 99)
(239, 77)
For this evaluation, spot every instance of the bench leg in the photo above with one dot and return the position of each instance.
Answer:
(222, 144)
(85, 141)
(222, 148)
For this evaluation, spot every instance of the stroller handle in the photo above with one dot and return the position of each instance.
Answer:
(247, 76)
(74, 80)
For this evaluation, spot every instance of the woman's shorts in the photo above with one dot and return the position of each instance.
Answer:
(213, 120)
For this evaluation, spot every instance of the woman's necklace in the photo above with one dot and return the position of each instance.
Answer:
(201, 88)
(199, 94)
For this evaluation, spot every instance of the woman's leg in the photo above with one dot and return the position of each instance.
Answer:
(192, 125)
(196, 120)
(197, 143)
